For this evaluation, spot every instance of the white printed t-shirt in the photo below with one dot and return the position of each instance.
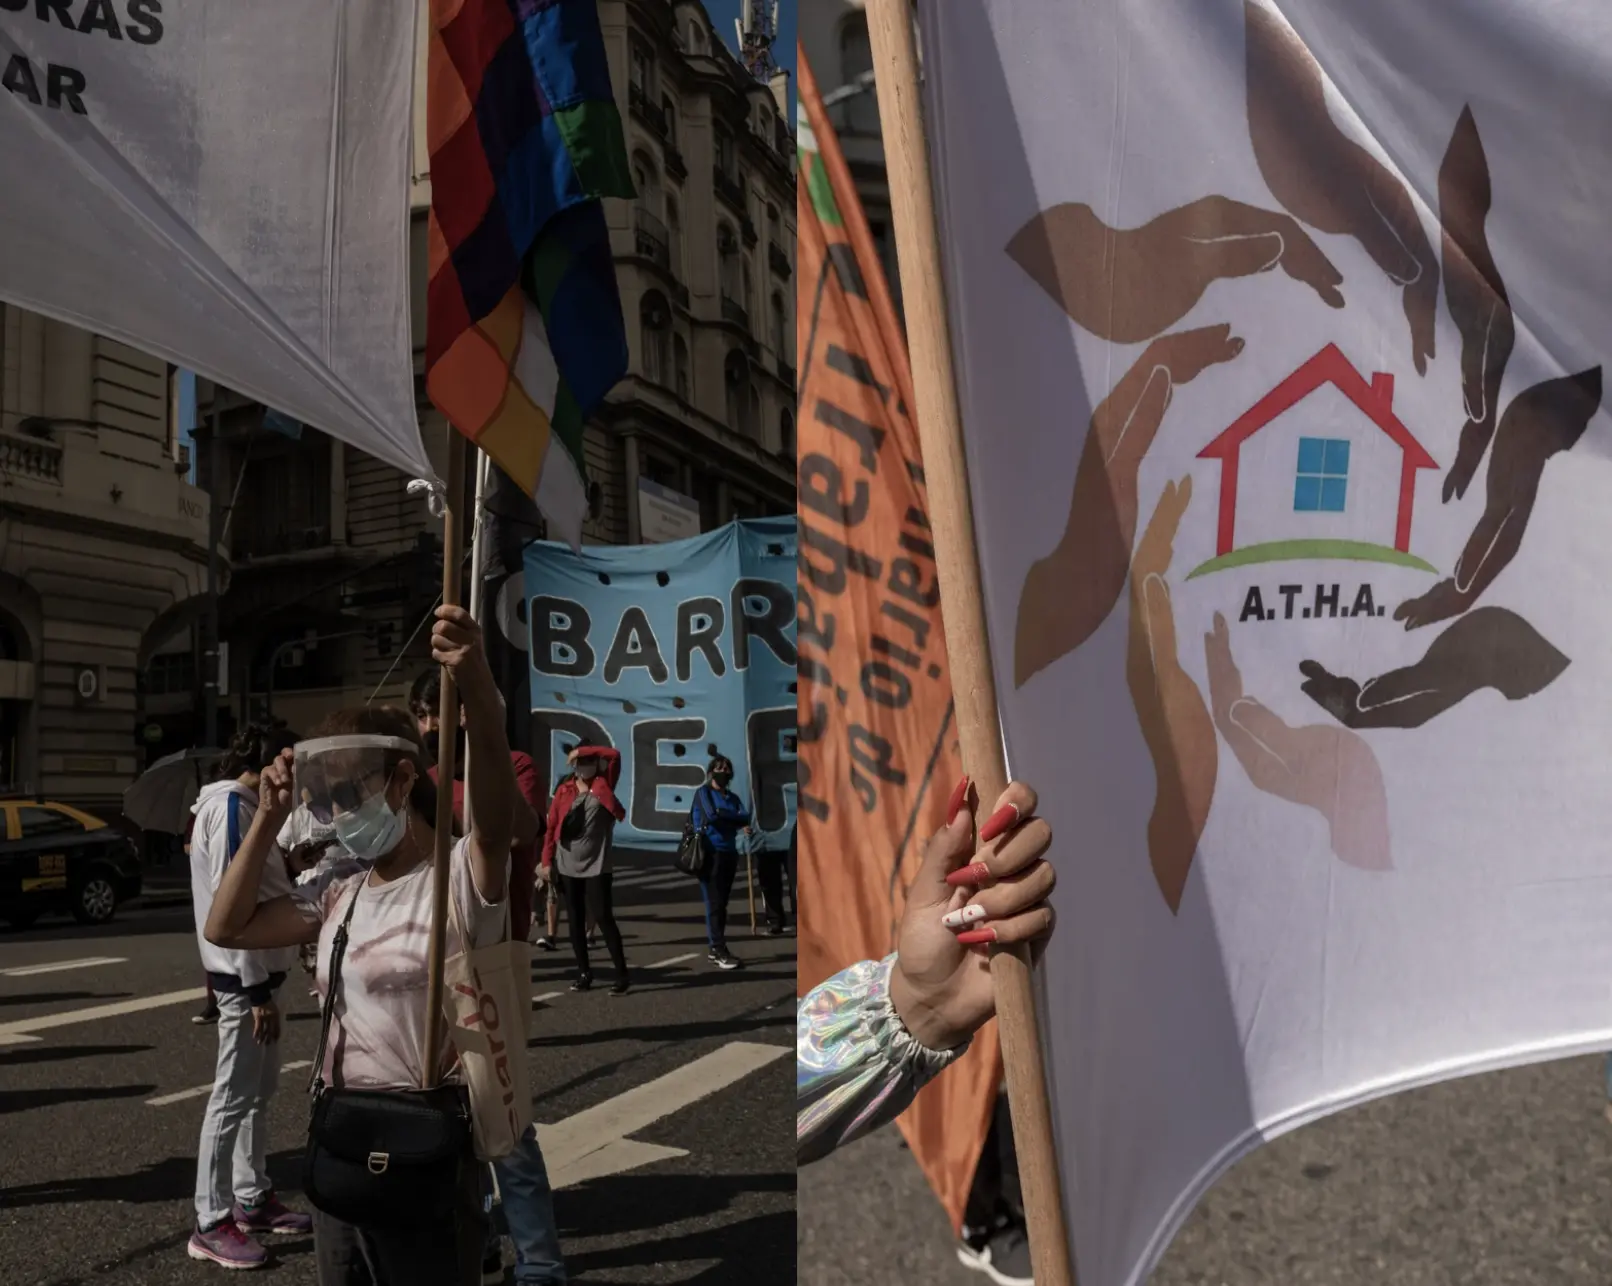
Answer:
(377, 1034)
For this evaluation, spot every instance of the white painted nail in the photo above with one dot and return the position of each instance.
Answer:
(963, 915)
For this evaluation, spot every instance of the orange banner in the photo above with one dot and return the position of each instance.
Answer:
(878, 754)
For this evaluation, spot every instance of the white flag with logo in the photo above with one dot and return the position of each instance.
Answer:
(1280, 338)
(223, 184)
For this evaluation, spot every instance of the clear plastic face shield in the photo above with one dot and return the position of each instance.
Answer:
(351, 784)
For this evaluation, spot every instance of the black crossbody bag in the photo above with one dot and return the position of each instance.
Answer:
(694, 850)
(382, 1158)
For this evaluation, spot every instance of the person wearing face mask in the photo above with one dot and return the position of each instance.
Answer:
(582, 822)
(523, 1180)
(720, 815)
(235, 1201)
(366, 773)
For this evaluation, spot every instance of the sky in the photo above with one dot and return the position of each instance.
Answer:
(723, 13)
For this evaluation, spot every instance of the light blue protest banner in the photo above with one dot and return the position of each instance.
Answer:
(671, 653)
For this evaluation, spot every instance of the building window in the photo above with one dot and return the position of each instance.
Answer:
(171, 674)
(745, 298)
(1323, 476)
(786, 433)
(655, 322)
(752, 414)
(728, 268)
(726, 156)
(683, 383)
(669, 111)
(650, 238)
(735, 376)
(642, 70)
(780, 328)
(696, 37)
(674, 235)
(859, 114)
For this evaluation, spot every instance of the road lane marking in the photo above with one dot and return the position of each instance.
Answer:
(198, 1090)
(675, 960)
(61, 966)
(573, 1147)
(546, 996)
(22, 1032)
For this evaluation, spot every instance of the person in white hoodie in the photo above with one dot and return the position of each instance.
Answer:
(235, 1201)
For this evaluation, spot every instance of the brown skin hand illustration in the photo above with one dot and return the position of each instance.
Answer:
(1477, 297)
(1489, 647)
(1071, 591)
(1175, 722)
(1540, 422)
(1325, 179)
(1320, 766)
(1130, 284)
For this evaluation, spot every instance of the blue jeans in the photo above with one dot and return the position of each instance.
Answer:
(523, 1182)
(716, 886)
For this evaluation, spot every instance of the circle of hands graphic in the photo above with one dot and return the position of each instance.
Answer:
(1131, 285)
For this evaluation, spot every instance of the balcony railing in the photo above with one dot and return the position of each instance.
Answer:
(650, 239)
(729, 189)
(676, 167)
(30, 458)
(778, 259)
(747, 230)
(735, 312)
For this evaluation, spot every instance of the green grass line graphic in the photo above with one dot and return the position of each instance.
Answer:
(1283, 551)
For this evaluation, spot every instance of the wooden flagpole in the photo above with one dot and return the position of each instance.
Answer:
(895, 57)
(453, 552)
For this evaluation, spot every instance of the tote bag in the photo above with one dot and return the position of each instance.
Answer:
(486, 996)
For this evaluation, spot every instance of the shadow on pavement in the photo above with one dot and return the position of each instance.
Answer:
(66, 1053)
(754, 1250)
(26, 1100)
(681, 1032)
(172, 1179)
(47, 997)
(163, 920)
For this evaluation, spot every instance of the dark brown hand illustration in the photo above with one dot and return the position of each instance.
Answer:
(1175, 722)
(1071, 591)
(1477, 297)
(1130, 284)
(1489, 647)
(1322, 177)
(1320, 766)
(1539, 423)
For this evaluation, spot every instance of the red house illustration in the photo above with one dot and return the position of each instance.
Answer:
(1322, 488)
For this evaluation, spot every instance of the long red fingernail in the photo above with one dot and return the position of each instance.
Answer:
(977, 937)
(958, 799)
(1004, 818)
(975, 873)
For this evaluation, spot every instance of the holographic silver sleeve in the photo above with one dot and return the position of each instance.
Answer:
(857, 1067)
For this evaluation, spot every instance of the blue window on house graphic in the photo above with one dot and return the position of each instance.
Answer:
(1323, 477)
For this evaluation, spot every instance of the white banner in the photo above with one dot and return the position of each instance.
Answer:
(1280, 340)
(225, 185)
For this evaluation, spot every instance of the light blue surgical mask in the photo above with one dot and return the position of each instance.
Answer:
(373, 829)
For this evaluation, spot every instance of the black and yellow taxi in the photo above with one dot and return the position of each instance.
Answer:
(54, 857)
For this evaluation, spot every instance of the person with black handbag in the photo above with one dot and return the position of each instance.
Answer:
(390, 1167)
(719, 815)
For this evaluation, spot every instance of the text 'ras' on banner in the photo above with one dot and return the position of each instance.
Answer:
(670, 653)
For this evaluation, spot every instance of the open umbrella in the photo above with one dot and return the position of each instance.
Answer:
(161, 797)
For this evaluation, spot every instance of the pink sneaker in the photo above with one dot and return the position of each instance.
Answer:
(227, 1246)
(272, 1215)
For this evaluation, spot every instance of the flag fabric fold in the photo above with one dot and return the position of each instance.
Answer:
(879, 753)
(524, 333)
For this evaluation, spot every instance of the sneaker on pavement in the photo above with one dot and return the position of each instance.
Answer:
(583, 982)
(722, 958)
(207, 1017)
(273, 1216)
(1004, 1256)
(621, 986)
(544, 943)
(227, 1246)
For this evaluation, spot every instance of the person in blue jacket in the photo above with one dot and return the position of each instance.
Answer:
(720, 815)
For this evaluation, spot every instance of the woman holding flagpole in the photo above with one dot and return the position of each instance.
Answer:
(872, 1036)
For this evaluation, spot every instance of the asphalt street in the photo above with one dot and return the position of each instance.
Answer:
(1496, 1180)
(669, 1108)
